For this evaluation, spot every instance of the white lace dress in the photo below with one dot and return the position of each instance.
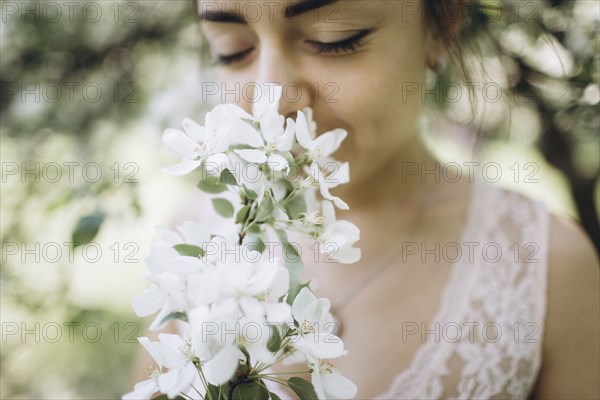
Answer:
(498, 301)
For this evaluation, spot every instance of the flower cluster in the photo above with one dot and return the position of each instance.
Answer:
(242, 315)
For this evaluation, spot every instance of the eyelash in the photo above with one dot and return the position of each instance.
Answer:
(347, 45)
(226, 60)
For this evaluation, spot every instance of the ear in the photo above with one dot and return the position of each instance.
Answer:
(444, 22)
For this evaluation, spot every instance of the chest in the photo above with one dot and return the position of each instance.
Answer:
(385, 326)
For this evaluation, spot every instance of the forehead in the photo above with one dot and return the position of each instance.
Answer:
(249, 11)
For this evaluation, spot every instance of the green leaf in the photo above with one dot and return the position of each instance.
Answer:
(250, 391)
(189, 250)
(274, 396)
(175, 315)
(293, 263)
(295, 206)
(251, 194)
(165, 397)
(223, 207)
(253, 211)
(255, 230)
(274, 342)
(288, 330)
(216, 392)
(294, 290)
(211, 184)
(265, 210)
(282, 236)
(302, 388)
(227, 178)
(257, 243)
(87, 228)
(242, 214)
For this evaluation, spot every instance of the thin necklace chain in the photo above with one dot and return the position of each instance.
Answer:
(382, 264)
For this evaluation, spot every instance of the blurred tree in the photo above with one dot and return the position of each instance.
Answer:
(52, 66)
(550, 54)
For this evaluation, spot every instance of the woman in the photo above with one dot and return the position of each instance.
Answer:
(356, 63)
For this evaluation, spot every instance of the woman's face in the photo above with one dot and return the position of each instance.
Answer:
(354, 62)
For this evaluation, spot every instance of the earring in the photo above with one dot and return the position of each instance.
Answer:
(440, 64)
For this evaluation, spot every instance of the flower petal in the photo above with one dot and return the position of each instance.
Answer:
(339, 176)
(330, 141)
(323, 345)
(286, 140)
(142, 390)
(277, 162)
(266, 99)
(302, 300)
(339, 203)
(244, 133)
(184, 167)
(179, 143)
(149, 302)
(250, 155)
(338, 386)
(194, 130)
(153, 348)
(302, 131)
(222, 367)
(194, 233)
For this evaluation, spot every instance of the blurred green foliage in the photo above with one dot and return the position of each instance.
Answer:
(545, 55)
(74, 87)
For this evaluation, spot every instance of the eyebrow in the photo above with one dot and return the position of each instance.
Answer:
(289, 12)
(301, 7)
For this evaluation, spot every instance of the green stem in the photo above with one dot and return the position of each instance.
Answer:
(290, 196)
(186, 396)
(289, 373)
(277, 380)
(204, 382)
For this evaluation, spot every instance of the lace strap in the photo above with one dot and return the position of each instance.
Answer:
(502, 293)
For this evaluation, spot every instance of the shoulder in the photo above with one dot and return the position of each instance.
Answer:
(571, 347)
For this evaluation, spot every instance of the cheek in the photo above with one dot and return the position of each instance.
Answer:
(379, 115)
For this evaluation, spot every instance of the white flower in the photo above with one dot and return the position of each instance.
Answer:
(207, 143)
(275, 138)
(176, 355)
(179, 282)
(253, 275)
(196, 145)
(315, 326)
(145, 389)
(162, 250)
(257, 324)
(231, 308)
(266, 111)
(339, 237)
(329, 383)
(214, 336)
(321, 147)
(325, 179)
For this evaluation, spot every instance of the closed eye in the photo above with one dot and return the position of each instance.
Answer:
(232, 58)
(346, 45)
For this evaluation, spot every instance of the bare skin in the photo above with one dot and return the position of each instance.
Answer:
(383, 129)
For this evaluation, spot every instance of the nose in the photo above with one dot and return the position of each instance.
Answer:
(278, 64)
